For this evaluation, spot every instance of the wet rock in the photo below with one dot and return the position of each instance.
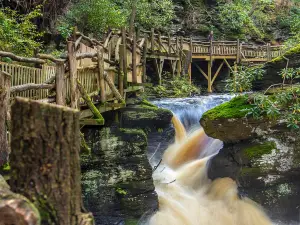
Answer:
(117, 177)
(262, 155)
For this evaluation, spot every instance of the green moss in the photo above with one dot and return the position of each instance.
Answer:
(5, 167)
(131, 222)
(121, 191)
(46, 210)
(231, 109)
(147, 103)
(134, 131)
(258, 150)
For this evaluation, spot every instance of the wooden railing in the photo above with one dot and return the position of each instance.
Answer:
(122, 58)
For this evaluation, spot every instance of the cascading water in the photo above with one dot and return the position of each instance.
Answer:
(186, 195)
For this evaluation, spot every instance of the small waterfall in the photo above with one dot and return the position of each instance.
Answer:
(190, 110)
(186, 195)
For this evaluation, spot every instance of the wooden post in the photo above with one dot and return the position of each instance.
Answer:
(5, 82)
(190, 60)
(169, 44)
(210, 52)
(120, 71)
(101, 74)
(234, 76)
(124, 52)
(159, 42)
(73, 75)
(178, 54)
(238, 51)
(152, 39)
(134, 72)
(144, 78)
(269, 57)
(181, 56)
(60, 84)
(113, 88)
(45, 160)
(209, 88)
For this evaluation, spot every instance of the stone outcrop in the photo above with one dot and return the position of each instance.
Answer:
(272, 69)
(117, 177)
(262, 155)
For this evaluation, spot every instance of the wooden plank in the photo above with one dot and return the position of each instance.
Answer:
(60, 84)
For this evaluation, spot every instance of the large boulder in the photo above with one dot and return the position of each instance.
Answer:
(117, 177)
(262, 155)
(272, 69)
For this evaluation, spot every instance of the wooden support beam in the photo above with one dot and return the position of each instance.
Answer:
(238, 51)
(113, 88)
(201, 71)
(152, 40)
(73, 75)
(60, 84)
(124, 52)
(159, 67)
(101, 74)
(120, 71)
(209, 83)
(225, 60)
(173, 67)
(217, 73)
(97, 115)
(169, 44)
(48, 136)
(5, 82)
(51, 58)
(134, 69)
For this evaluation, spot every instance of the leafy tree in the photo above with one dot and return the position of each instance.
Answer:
(97, 16)
(18, 34)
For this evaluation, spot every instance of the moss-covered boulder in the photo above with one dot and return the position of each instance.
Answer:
(262, 155)
(272, 68)
(228, 121)
(117, 177)
(145, 115)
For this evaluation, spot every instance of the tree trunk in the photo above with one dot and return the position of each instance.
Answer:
(45, 160)
(132, 18)
(4, 102)
(16, 209)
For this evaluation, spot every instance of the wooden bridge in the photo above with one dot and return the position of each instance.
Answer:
(108, 70)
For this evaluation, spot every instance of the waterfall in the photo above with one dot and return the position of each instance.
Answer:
(186, 195)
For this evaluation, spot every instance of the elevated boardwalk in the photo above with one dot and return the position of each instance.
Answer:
(108, 70)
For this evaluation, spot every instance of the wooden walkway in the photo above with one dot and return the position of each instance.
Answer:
(108, 70)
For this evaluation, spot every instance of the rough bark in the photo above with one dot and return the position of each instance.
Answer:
(73, 74)
(21, 59)
(25, 87)
(45, 160)
(4, 102)
(60, 84)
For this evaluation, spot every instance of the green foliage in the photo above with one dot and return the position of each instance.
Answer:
(232, 109)
(97, 16)
(18, 34)
(284, 104)
(243, 79)
(93, 16)
(121, 191)
(174, 87)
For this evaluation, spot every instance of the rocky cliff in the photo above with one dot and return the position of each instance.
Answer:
(117, 176)
(262, 155)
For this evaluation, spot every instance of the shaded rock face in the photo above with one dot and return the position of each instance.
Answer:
(117, 178)
(264, 157)
(272, 69)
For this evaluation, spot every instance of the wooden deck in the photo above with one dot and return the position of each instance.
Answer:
(109, 69)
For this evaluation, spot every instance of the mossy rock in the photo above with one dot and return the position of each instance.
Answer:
(231, 109)
(259, 150)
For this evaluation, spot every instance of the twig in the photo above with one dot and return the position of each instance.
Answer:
(155, 167)
(172, 181)
(273, 85)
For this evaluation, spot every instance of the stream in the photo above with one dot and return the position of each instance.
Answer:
(189, 112)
